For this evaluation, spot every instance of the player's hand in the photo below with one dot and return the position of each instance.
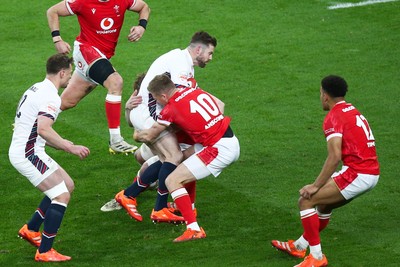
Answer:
(80, 151)
(308, 190)
(133, 101)
(63, 47)
(135, 33)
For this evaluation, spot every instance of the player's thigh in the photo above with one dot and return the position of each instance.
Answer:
(78, 87)
(36, 168)
(328, 194)
(168, 147)
(180, 176)
(54, 179)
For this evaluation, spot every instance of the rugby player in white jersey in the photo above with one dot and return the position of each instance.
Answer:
(36, 112)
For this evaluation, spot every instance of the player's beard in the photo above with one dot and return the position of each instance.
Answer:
(200, 62)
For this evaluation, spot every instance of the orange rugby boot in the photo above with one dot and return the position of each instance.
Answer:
(129, 204)
(190, 234)
(289, 248)
(51, 256)
(32, 237)
(310, 261)
(166, 216)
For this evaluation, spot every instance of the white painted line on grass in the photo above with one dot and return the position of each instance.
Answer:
(363, 3)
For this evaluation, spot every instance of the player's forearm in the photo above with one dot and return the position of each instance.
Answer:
(144, 136)
(53, 139)
(330, 166)
(53, 18)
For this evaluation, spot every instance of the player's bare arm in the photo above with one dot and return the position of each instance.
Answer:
(53, 18)
(331, 163)
(53, 139)
(220, 104)
(136, 32)
(149, 135)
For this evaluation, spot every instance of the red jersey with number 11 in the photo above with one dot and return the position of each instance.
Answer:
(195, 112)
(358, 142)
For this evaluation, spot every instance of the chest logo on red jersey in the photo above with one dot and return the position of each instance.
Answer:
(106, 23)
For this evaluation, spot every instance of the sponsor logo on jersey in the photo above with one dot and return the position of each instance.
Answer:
(184, 94)
(330, 130)
(214, 121)
(106, 24)
(348, 109)
(93, 10)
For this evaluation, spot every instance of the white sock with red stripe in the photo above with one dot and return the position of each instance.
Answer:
(301, 243)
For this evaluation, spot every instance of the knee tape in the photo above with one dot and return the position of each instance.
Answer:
(57, 190)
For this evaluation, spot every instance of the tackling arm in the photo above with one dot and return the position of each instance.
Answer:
(149, 135)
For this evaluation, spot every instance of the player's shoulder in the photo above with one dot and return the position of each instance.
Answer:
(174, 53)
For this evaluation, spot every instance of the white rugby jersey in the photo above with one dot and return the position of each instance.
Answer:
(40, 99)
(178, 63)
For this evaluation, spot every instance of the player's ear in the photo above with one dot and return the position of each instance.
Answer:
(199, 49)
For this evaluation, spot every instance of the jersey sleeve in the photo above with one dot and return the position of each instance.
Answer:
(332, 127)
(50, 110)
(131, 4)
(73, 6)
(165, 117)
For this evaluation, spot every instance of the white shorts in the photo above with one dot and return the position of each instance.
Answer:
(140, 117)
(352, 184)
(84, 56)
(213, 159)
(36, 169)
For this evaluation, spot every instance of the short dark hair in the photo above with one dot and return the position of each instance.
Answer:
(203, 38)
(138, 81)
(335, 86)
(58, 62)
(160, 83)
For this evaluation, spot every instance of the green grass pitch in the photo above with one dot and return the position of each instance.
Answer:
(270, 58)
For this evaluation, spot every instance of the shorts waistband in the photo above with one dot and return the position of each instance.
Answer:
(228, 133)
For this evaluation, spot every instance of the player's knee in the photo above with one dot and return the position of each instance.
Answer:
(70, 185)
(67, 104)
(173, 182)
(114, 84)
(175, 158)
(59, 192)
(63, 198)
(305, 203)
(101, 71)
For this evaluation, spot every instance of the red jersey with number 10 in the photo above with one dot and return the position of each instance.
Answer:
(100, 22)
(358, 142)
(196, 113)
